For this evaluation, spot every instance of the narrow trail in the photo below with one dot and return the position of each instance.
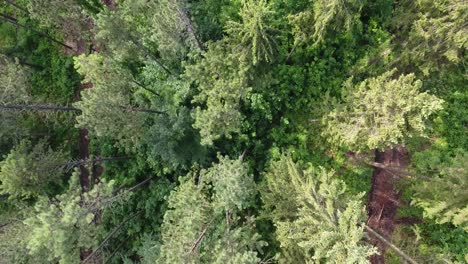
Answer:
(384, 199)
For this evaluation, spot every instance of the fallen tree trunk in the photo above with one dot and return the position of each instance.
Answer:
(384, 199)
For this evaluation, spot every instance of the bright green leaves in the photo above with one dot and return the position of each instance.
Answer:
(254, 33)
(62, 227)
(381, 112)
(322, 223)
(444, 198)
(31, 170)
(204, 223)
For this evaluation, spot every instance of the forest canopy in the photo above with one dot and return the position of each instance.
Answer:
(233, 131)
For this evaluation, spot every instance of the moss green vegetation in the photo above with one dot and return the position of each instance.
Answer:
(233, 131)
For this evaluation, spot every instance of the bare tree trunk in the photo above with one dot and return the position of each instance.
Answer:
(38, 108)
(17, 6)
(190, 28)
(13, 21)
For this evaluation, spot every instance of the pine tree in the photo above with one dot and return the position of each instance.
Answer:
(14, 89)
(322, 223)
(62, 227)
(254, 33)
(381, 112)
(223, 82)
(444, 197)
(437, 36)
(173, 30)
(109, 108)
(64, 15)
(204, 223)
(325, 17)
(31, 170)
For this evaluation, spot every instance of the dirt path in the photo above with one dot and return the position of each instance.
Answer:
(384, 200)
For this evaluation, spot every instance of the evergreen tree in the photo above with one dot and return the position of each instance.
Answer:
(437, 36)
(325, 17)
(380, 112)
(223, 82)
(321, 223)
(173, 30)
(61, 228)
(254, 33)
(109, 108)
(444, 197)
(31, 170)
(204, 223)
(66, 16)
(14, 89)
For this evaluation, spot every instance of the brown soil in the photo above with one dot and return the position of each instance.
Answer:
(384, 199)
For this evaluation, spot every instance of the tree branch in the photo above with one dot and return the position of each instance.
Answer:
(13, 21)
(39, 108)
(17, 6)
(109, 236)
(391, 245)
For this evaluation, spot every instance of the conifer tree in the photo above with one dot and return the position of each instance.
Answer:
(62, 227)
(326, 16)
(31, 170)
(254, 33)
(14, 90)
(204, 223)
(173, 30)
(64, 15)
(444, 197)
(223, 82)
(321, 223)
(438, 36)
(109, 108)
(381, 112)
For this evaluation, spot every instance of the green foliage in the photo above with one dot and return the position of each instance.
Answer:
(173, 30)
(14, 233)
(107, 107)
(322, 222)
(204, 225)
(381, 112)
(64, 15)
(14, 89)
(62, 227)
(438, 35)
(31, 170)
(254, 33)
(444, 198)
(233, 186)
(223, 83)
(14, 82)
(169, 83)
(327, 16)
